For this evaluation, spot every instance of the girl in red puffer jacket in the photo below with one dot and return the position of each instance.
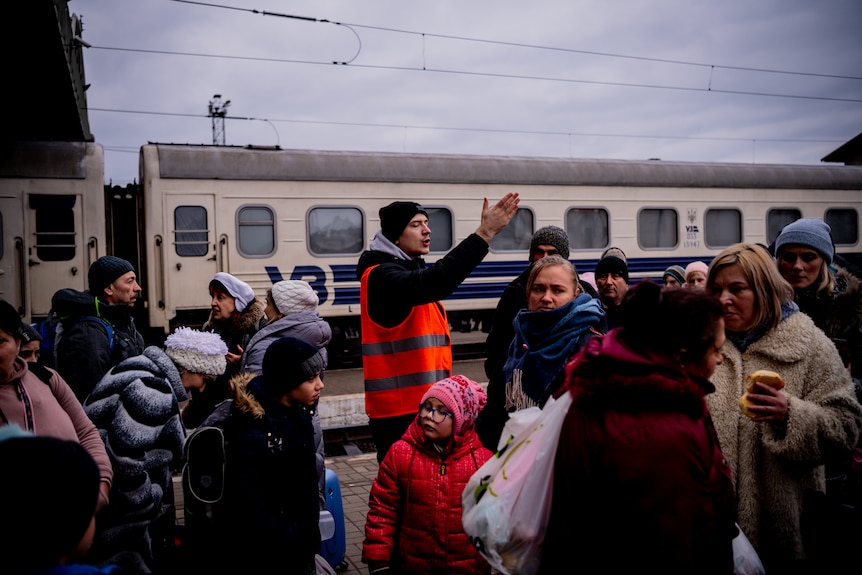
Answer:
(414, 516)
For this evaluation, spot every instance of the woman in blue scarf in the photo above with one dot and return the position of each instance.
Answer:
(560, 318)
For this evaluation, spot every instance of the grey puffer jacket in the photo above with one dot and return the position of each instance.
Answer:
(135, 406)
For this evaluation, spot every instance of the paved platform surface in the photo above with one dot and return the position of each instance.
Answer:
(355, 473)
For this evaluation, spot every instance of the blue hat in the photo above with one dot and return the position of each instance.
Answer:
(810, 232)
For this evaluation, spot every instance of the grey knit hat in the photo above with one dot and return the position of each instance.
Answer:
(810, 232)
(292, 296)
(551, 236)
(104, 271)
(197, 351)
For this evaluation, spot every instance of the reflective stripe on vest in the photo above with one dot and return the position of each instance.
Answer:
(400, 363)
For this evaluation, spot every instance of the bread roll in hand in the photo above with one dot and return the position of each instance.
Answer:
(764, 376)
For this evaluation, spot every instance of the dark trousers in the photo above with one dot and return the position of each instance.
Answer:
(387, 430)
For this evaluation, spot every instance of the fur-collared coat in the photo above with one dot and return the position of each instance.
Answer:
(414, 515)
(774, 464)
(839, 315)
(270, 513)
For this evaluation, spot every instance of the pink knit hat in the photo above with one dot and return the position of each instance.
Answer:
(463, 397)
(696, 267)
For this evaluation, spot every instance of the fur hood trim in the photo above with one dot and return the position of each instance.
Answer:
(243, 399)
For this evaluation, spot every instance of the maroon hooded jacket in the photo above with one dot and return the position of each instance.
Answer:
(640, 482)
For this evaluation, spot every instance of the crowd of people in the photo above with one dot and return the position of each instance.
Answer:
(657, 465)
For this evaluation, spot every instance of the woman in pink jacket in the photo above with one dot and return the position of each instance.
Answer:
(414, 516)
(38, 400)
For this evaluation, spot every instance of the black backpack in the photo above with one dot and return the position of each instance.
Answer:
(51, 328)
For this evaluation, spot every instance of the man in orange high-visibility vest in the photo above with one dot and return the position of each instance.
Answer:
(406, 343)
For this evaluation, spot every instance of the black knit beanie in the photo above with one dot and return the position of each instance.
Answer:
(550, 236)
(613, 264)
(104, 271)
(288, 363)
(395, 217)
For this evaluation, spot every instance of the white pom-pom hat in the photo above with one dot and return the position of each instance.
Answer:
(197, 351)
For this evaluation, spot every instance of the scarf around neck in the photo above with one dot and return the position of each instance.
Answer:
(544, 341)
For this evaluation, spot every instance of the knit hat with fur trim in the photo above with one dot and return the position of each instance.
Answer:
(240, 291)
(551, 236)
(197, 351)
(810, 232)
(38, 506)
(288, 363)
(292, 296)
(104, 271)
(676, 272)
(463, 398)
(395, 217)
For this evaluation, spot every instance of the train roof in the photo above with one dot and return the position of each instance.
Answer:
(178, 161)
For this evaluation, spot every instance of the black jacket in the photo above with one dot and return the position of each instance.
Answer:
(83, 351)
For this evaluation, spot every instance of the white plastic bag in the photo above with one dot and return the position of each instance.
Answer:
(507, 502)
(746, 561)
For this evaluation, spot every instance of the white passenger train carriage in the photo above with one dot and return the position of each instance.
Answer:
(52, 220)
(268, 214)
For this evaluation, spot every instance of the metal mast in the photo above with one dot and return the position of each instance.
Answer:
(218, 111)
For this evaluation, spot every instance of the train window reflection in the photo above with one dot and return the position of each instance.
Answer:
(658, 228)
(335, 231)
(191, 238)
(516, 235)
(777, 218)
(587, 228)
(845, 225)
(440, 222)
(55, 227)
(722, 227)
(256, 231)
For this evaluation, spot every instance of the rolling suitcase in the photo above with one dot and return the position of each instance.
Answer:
(334, 548)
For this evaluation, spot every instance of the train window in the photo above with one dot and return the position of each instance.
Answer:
(845, 225)
(587, 228)
(722, 227)
(516, 235)
(440, 222)
(658, 228)
(255, 231)
(55, 227)
(776, 219)
(191, 236)
(335, 231)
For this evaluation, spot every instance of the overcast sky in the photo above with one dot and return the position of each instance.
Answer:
(764, 81)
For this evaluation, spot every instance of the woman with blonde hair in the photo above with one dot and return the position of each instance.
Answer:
(777, 452)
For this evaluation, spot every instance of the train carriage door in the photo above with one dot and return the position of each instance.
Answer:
(12, 260)
(57, 253)
(190, 256)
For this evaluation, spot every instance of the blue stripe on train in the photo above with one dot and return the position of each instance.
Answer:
(346, 290)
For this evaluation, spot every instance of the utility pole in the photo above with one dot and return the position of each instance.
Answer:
(218, 111)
